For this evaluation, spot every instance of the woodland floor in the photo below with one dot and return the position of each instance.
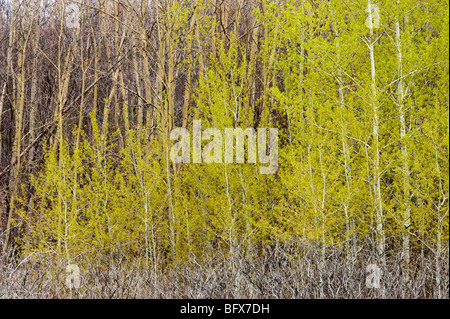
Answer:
(277, 273)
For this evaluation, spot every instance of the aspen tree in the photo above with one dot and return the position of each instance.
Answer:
(253, 43)
(9, 76)
(378, 204)
(18, 107)
(266, 66)
(114, 75)
(190, 53)
(76, 189)
(2, 99)
(406, 204)
(137, 79)
(83, 85)
(345, 147)
(118, 44)
(441, 200)
(160, 76)
(96, 50)
(65, 68)
(170, 75)
(34, 79)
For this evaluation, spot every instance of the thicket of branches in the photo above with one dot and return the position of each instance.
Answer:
(90, 91)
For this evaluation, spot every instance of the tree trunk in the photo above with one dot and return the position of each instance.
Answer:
(405, 195)
(376, 152)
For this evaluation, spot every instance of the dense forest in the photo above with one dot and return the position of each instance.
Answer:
(92, 206)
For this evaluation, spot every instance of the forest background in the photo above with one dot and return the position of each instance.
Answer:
(90, 91)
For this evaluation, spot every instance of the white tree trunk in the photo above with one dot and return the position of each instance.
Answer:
(406, 205)
(376, 150)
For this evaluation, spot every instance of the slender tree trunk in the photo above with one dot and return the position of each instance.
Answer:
(347, 165)
(441, 200)
(323, 230)
(137, 81)
(114, 77)
(17, 145)
(34, 84)
(170, 83)
(376, 152)
(150, 121)
(96, 76)
(18, 108)
(188, 89)
(65, 68)
(405, 200)
(2, 99)
(118, 43)
(9, 77)
(161, 75)
(265, 73)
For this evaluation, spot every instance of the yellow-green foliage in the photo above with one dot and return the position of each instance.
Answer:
(318, 94)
